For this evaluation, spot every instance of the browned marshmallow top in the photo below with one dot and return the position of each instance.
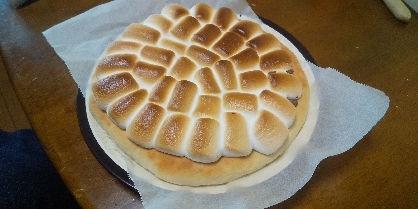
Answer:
(200, 83)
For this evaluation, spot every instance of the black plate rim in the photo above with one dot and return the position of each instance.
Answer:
(95, 147)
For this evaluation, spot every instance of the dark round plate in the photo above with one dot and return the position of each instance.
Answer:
(94, 146)
(105, 160)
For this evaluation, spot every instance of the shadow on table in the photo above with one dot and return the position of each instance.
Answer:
(27, 177)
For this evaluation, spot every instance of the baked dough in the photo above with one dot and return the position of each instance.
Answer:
(199, 96)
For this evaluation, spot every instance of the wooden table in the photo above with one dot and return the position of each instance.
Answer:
(359, 38)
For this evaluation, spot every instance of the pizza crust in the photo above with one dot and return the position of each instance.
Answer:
(183, 171)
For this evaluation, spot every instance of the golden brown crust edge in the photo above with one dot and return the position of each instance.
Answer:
(183, 171)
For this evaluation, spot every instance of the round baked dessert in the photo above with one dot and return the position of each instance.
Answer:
(199, 96)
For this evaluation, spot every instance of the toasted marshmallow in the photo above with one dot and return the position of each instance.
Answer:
(208, 106)
(252, 80)
(246, 28)
(203, 12)
(172, 134)
(237, 101)
(237, 141)
(279, 105)
(207, 35)
(202, 56)
(203, 144)
(182, 96)
(112, 87)
(264, 42)
(270, 133)
(122, 109)
(275, 60)
(206, 81)
(183, 68)
(246, 59)
(185, 28)
(159, 22)
(226, 73)
(286, 84)
(224, 18)
(162, 90)
(114, 63)
(141, 33)
(144, 127)
(147, 72)
(228, 44)
(175, 11)
(158, 55)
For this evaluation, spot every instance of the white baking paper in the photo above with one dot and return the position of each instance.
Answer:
(347, 111)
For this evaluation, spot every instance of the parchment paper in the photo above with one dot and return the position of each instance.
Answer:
(347, 111)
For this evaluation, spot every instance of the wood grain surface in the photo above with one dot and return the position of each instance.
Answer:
(359, 38)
